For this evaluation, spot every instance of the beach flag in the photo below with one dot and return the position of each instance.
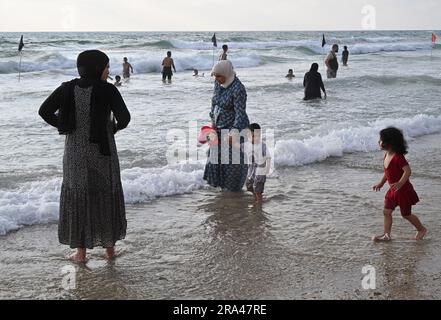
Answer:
(433, 38)
(20, 47)
(323, 41)
(21, 44)
(213, 39)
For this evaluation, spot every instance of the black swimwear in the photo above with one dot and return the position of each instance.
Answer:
(313, 83)
(167, 73)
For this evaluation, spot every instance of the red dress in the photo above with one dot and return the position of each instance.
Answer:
(406, 196)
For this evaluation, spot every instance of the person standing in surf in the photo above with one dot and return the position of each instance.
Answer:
(313, 83)
(167, 65)
(331, 62)
(228, 116)
(92, 210)
(396, 173)
(127, 68)
(345, 56)
(223, 54)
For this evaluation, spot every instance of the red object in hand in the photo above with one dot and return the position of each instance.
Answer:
(208, 134)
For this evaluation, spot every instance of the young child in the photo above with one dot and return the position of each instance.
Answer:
(396, 173)
(290, 74)
(118, 82)
(259, 163)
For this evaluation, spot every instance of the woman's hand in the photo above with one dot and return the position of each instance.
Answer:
(397, 186)
(378, 187)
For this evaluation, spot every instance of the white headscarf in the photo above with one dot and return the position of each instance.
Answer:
(225, 68)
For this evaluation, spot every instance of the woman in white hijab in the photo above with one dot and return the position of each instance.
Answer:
(229, 117)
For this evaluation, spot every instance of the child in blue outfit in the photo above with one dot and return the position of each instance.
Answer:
(259, 162)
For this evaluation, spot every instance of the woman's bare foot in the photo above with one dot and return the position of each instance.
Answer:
(79, 256)
(383, 237)
(420, 234)
(110, 253)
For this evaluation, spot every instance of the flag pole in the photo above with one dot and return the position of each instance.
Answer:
(19, 67)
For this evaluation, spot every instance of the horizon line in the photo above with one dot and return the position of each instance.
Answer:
(217, 31)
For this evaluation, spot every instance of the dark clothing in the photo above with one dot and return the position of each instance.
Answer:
(92, 210)
(313, 83)
(104, 98)
(167, 73)
(345, 56)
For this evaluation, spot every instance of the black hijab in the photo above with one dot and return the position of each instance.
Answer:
(90, 65)
(314, 68)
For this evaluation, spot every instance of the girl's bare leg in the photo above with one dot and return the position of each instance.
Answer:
(421, 231)
(387, 221)
(387, 226)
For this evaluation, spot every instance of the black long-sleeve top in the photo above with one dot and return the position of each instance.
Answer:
(49, 108)
(105, 98)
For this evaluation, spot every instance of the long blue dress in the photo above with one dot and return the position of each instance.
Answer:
(228, 111)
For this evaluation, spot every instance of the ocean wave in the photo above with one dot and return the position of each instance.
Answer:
(37, 202)
(310, 47)
(40, 62)
(360, 139)
(57, 61)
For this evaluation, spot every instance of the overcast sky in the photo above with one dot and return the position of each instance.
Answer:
(217, 15)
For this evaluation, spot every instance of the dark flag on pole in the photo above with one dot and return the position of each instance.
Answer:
(21, 44)
(213, 39)
(323, 41)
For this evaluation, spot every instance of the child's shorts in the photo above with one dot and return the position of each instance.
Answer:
(255, 186)
(391, 204)
(405, 200)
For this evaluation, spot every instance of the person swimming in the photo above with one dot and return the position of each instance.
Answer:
(196, 73)
(290, 74)
(118, 82)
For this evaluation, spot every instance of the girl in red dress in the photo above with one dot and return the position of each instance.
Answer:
(396, 173)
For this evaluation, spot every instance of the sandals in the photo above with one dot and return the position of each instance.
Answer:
(384, 237)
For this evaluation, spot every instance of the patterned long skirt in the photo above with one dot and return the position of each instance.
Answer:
(226, 168)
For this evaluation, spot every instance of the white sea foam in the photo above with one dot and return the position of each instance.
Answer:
(360, 139)
(38, 202)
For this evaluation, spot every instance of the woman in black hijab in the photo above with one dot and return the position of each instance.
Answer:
(313, 83)
(92, 211)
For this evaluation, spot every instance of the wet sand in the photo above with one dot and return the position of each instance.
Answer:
(310, 240)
